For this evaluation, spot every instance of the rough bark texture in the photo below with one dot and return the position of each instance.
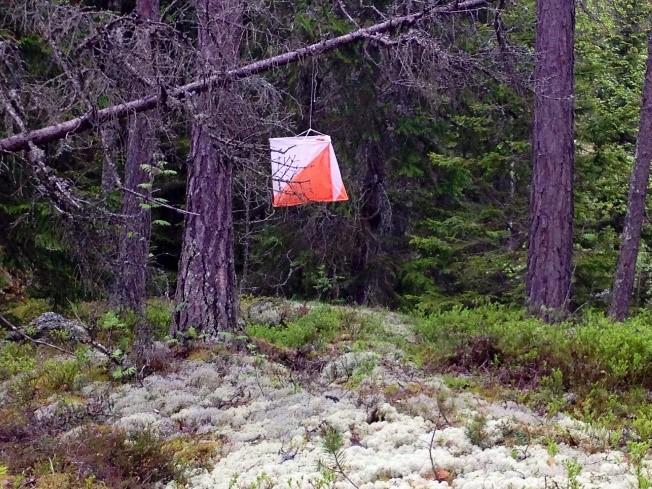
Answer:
(631, 237)
(550, 248)
(375, 219)
(133, 254)
(109, 140)
(206, 293)
(92, 119)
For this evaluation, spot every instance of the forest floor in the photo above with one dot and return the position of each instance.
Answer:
(354, 411)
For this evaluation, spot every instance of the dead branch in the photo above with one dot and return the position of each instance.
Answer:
(91, 119)
(9, 325)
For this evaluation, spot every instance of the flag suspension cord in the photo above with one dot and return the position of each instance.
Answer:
(313, 95)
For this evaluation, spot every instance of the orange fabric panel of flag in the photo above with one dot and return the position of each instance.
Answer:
(304, 170)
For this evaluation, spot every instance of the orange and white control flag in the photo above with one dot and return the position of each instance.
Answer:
(304, 169)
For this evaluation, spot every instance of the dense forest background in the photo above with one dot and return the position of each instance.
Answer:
(436, 157)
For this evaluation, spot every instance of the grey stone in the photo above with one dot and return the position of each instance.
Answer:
(342, 367)
(265, 312)
(51, 321)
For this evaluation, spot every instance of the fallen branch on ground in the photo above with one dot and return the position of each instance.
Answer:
(90, 342)
(9, 325)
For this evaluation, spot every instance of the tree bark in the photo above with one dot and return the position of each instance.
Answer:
(549, 272)
(109, 139)
(92, 119)
(206, 294)
(375, 219)
(631, 237)
(133, 255)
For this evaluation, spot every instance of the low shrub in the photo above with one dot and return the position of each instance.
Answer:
(97, 457)
(607, 365)
(24, 312)
(591, 350)
(321, 324)
(16, 358)
(59, 375)
(122, 460)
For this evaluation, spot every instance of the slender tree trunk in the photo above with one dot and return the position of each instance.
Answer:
(133, 254)
(109, 139)
(206, 293)
(549, 273)
(631, 237)
(375, 218)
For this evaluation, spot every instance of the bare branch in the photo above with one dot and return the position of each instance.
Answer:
(92, 118)
(9, 325)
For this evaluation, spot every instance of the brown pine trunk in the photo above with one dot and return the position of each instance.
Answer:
(109, 140)
(631, 237)
(133, 254)
(206, 293)
(549, 273)
(375, 219)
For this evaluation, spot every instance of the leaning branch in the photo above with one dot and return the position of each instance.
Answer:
(9, 325)
(4, 322)
(61, 130)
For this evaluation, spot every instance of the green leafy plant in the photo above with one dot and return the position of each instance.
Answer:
(637, 453)
(16, 358)
(122, 374)
(476, 431)
(573, 470)
(552, 448)
(319, 325)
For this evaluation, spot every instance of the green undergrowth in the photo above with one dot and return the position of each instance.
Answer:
(317, 326)
(591, 367)
(117, 327)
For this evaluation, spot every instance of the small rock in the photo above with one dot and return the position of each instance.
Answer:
(46, 413)
(570, 398)
(342, 367)
(265, 312)
(51, 321)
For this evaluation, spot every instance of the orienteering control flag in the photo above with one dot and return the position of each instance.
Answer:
(304, 170)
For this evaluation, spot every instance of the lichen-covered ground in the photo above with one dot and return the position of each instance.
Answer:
(399, 426)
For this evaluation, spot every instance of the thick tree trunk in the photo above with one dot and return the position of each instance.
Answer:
(133, 254)
(549, 273)
(631, 237)
(206, 293)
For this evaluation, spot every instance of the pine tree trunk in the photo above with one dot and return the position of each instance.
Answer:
(133, 254)
(549, 273)
(131, 273)
(375, 219)
(109, 140)
(631, 237)
(206, 293)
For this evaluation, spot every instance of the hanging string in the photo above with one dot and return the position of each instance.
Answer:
(312, 91)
